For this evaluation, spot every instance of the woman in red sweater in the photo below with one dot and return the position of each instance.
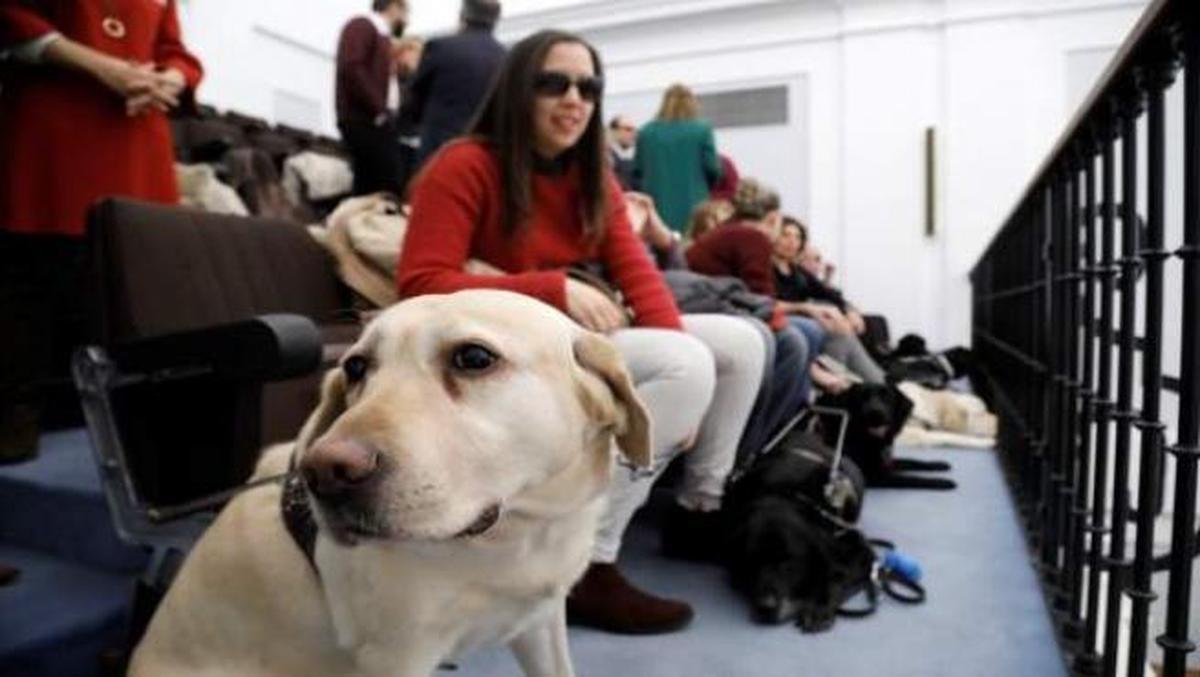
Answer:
(82, 116)
(530, 193)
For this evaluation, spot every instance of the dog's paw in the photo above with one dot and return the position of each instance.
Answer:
(813, 620)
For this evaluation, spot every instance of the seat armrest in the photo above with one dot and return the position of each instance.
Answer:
(264, 348)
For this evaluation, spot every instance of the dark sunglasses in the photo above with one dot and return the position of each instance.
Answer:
(553, 83)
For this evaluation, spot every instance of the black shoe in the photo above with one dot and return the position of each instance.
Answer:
(692, 534)
(7, 574)
(18, 434)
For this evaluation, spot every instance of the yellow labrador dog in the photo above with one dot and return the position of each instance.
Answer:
(456, 467)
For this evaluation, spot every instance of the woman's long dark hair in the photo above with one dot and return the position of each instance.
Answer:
(506, 122)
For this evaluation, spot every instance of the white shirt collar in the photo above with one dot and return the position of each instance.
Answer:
(623, 153)
(381, 24)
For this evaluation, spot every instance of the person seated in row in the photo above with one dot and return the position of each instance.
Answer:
(742, 247)
(798, 270)
(784, 392)
(802, 276)
(529, 192)
(706, 216)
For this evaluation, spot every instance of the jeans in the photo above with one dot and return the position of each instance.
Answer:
(785, 391)
(813, 332)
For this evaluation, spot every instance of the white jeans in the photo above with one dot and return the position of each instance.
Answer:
(675, 377)
(740, 354)
(707, 382)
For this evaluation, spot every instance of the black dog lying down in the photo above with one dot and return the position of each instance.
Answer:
(877, 413)
(791, 562)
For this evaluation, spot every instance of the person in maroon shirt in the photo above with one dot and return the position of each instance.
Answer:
(530, 193)
(367, 95)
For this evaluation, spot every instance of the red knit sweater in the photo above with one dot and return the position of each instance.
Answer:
(737, 250)
(456, 208)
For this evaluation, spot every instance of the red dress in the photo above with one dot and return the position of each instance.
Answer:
(65, 140)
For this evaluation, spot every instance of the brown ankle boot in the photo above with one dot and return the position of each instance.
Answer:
(603, 599)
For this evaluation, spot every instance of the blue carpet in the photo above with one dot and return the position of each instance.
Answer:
(58, 616)
(54, 504)
(985, 614)
(77, 578)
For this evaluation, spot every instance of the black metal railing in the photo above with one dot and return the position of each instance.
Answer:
(1058, 295)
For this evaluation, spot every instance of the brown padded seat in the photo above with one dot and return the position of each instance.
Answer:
(161, 270)
(169, 269)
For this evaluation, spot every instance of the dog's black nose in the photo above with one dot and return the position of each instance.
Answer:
(334, 468)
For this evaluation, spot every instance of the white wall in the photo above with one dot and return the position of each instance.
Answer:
(257, 52)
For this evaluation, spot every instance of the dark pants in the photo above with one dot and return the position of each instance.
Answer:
(374, 157)
(42, 303)
(783, 394)
(432, 139)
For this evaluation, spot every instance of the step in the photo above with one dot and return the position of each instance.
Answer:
(58, 616)
(54, 504)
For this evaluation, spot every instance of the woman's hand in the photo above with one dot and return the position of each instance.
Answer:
(592, 309)
(140, 85)
(832, 319)
(828, 270)
(857, 324)
(163, 94)
(172, 81)
(650, 227)
(125, 79)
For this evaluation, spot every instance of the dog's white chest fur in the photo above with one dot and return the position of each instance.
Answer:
(455, 596)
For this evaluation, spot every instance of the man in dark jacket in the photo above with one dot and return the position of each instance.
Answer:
(454, 75)
(368, 95)
(622, 140)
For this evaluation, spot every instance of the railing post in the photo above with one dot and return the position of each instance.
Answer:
(1106, 273)
(1118, 563)
(1087, 661)
(1056, 494)
(1175, 641)
(1048, 524)
(1071, 582)
(1153, 255)
(1079, 388)
(1035, 385)
(1034, 439)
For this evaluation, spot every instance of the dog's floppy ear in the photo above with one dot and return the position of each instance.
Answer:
(617, 404)
(329, 407)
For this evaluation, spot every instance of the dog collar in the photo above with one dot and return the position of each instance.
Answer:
(297, 513)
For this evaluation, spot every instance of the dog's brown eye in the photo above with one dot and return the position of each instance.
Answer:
(355, 367)
(473, 357)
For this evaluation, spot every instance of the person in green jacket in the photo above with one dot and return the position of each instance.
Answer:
(676, 160)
